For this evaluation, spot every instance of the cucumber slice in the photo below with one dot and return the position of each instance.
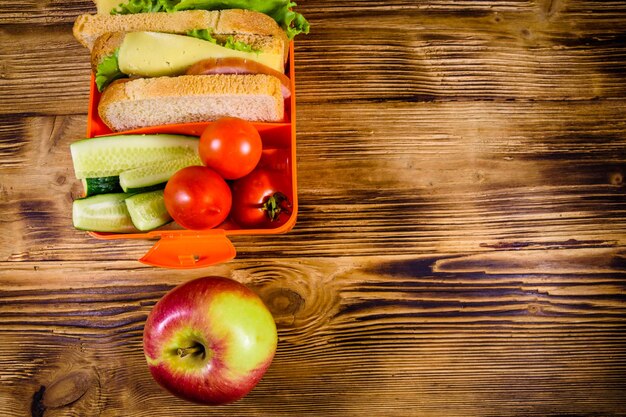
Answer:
(154, 187)
(147, 210)
(155, 174)
(101, 185)
(110, 155)
(103, 213)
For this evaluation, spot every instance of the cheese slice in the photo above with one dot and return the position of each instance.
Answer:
(105, 6)
(155, 54)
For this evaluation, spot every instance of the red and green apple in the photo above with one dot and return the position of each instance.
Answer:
(209, 340)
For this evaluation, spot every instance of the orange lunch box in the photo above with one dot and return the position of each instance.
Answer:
(181, 248)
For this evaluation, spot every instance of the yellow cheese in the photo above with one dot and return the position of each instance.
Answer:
(152, 54)
(105, 6)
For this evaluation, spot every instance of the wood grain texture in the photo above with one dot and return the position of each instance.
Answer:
(461, 242)
(456, 335)
(427, 180)
(527, 53)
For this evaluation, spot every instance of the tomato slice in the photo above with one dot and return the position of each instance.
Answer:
(238, 66)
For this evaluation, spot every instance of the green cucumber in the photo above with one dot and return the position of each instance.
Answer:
(147, 210)
(103, 213)
(108, 185)
(111, 155)
(149, 188)
(155, 175)
(101, 185)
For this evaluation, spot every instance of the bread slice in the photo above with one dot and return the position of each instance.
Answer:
(143, 102)
(88, 28)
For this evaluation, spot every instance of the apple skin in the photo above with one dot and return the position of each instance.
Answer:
(209, 340)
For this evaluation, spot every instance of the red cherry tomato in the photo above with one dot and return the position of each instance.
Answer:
(197, 198)
(261, 199)
(231, 146)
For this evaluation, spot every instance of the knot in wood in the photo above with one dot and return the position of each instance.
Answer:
(534, 309)
(284, 302)
(67, 389)
(617, 178)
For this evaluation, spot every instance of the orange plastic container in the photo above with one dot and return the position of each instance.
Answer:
(180, 248)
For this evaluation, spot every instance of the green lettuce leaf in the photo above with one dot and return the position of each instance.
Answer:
(204, 34)
(280, 10)
(108, 71)
(230, 42)
(239, 45)
(145, 6)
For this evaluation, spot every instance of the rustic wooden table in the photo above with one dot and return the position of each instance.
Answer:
(461, 243)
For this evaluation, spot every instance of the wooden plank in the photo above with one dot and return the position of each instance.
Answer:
(65, 11)
(33, 12)
(509, 172)
(36, 77)
(53, 11)
(499, 336)
(437, 55)
(443, 57)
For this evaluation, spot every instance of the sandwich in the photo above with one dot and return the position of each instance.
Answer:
(281, 11)
(186, 66)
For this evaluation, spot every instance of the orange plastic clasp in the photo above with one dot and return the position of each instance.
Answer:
(190, 251)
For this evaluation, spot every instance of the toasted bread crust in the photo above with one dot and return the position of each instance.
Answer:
(248, 21)
(146, 102)
(88, 28)
(105, 46)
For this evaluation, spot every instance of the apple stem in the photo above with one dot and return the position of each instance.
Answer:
(191, 350)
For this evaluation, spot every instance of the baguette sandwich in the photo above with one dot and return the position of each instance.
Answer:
(187, 66)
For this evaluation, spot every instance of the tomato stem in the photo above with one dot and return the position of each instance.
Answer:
(276, 204)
